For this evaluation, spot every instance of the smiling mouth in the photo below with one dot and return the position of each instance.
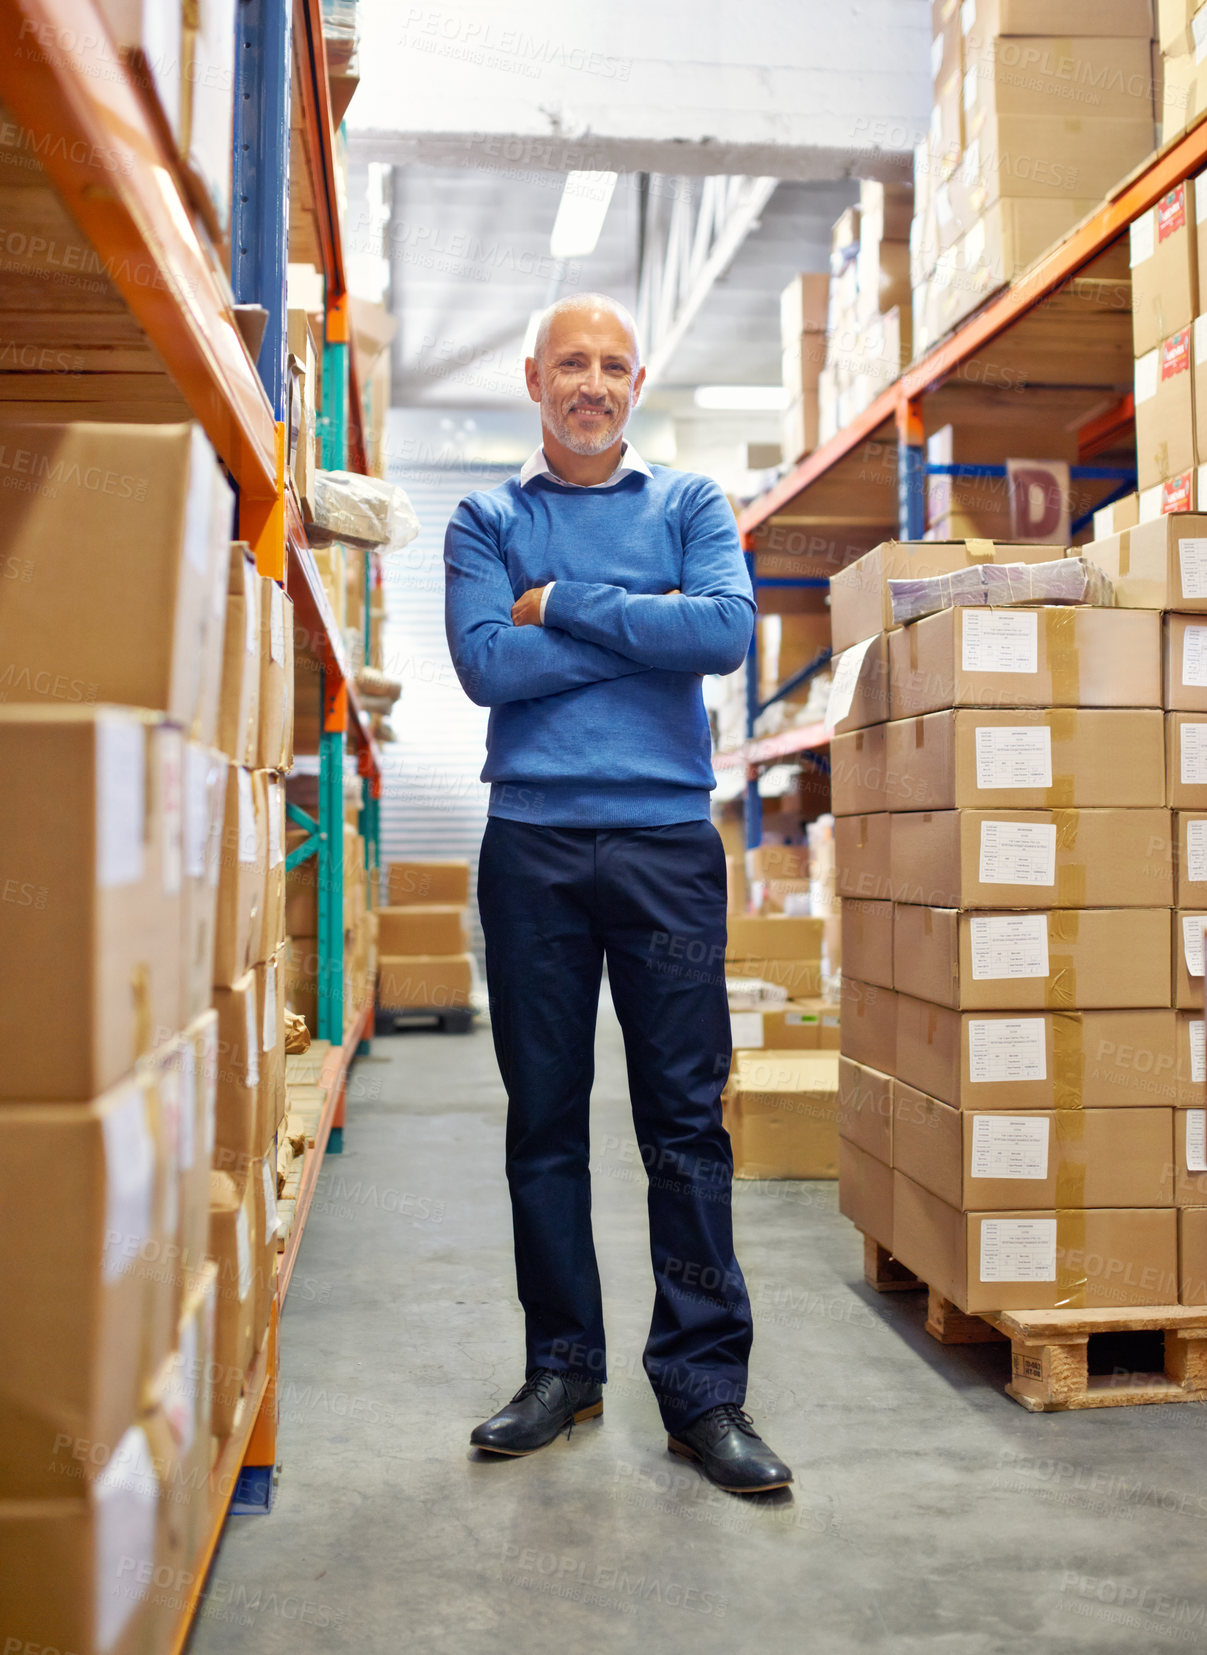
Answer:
(590, 413)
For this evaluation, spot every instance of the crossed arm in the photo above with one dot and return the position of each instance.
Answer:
(592, 630)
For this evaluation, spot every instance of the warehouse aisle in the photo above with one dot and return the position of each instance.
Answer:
(930, 1513)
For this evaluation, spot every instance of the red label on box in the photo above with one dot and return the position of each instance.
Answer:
(1171, 212)
(1175, 354)
(1177, 493)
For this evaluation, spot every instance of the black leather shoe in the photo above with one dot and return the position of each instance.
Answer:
(544, 1406)
(725, 1444)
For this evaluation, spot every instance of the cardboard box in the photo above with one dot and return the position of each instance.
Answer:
(301, 979)
(242, 875)
(1185, 653)
(1028, 758)
(1033, 76)
(237, 1120)
(1113, 519)
(1190, 1157)
(860, 686)
(868, 1025)
(800, 426)
(265, 1224)
(865, 1109)
(794, 1025)
(803, 305)
(858, 763)
(1036, 1060)
(1063, 959)
(1164, 393)
(184, 1399)
(204, 809)
(139, 619)
(274, 694)
(90, 924)
(1174, 496)
(1164, 268)
(270, 1015)
(862, 851)
(1019, 1260)
(199, 1105)
(1060, 858)
(77, 1292)
(423, 929)
(1186, 760)
(1192, 1255)
(239, 702)
(1054, 656)
(781, 1112)
(1055, 1158)
(865, 1192)
(867, 941)
(772, 937)
(801, 979)
(859, 600)
(268, 799)
(231, 1223)
(1188, 958)
(983, 20)
(1190, 859)
(1160, 564)
(207, 112)
(1174, 33)
(427, 882)
(423, 982)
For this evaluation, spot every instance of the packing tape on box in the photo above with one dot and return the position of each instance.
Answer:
(911, 636)
(1069, 1148)
(1068, 1064)
(1070, 1259)
(1070, 876)
(140, 993)
(1060, 990)
(919, 732)
(1062, 722)
(981, 551)
(1125, 552)
(1064, 662)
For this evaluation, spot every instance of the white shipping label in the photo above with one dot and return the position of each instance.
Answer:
(1014, 755)
(168, 1089)
(936, 56)
(129, 1183)
(126, 1501)
(1193, 768)
(247, 817)
(1008, 945)
(180, 1388)
(1196, 851)
(270, 1006)
(1198, 1053)
(1192, 942)
(1196, 1140)
(196, 809)
(1192, 554)
(276, 625)
(216, 791)
(999, 641)
(1006, 1049)
(974, 244)
(270, 1198)
(1010, 1146)
(276, 815)
(1018, 853)
(969, 94)
(1143, 237)
(1018, 1249)
(121, 801)
(253, 1040)
(747, 1029)
(171, 809)
(1194, 657)
(187, 1062)
(967, 16)
(1147, 375)
(846, 677)
(243, 1253)
(1198, 29)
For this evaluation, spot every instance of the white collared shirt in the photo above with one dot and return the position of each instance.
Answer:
(536, 465)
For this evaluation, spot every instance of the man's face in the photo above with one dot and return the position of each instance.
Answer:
(587, 381)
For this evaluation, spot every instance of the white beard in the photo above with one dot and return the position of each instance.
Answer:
(584, 445)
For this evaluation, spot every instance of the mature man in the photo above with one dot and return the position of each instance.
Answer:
(585, 599)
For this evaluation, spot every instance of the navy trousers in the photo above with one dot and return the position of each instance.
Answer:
(555, 903)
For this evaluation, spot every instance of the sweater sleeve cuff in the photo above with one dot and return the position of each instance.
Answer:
(545, 599)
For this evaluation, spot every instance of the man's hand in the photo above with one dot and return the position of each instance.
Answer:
(526, 610)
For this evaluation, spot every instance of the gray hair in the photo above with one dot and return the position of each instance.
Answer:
(583, 301)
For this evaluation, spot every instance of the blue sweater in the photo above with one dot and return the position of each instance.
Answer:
(597, 717)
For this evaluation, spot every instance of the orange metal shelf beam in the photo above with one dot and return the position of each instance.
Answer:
(118, 180)
(1184, 156)
(311, 50)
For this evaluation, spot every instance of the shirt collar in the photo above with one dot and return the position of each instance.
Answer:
(536, 465)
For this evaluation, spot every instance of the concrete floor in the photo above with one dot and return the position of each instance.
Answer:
(931, 1513)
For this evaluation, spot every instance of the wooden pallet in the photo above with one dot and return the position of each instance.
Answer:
(1049, 1349)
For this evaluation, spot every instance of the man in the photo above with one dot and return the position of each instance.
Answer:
(585, 599)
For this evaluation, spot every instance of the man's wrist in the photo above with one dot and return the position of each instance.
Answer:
(545, 599)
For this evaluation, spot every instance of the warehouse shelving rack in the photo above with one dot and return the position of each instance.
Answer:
(827, 490)
(119, 178)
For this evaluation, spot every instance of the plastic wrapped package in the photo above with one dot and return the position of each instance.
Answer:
(367, 510)
(752, 993)
(1002, 586)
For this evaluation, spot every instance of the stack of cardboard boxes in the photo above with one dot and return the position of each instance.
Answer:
(803, 308)
(1040, 108)
(1180, 75)
(358, 932)
(424, 962)
(1017, 1038)
(139, 875)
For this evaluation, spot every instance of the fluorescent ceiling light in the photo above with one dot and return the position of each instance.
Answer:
(742, 399)
(581, 213)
